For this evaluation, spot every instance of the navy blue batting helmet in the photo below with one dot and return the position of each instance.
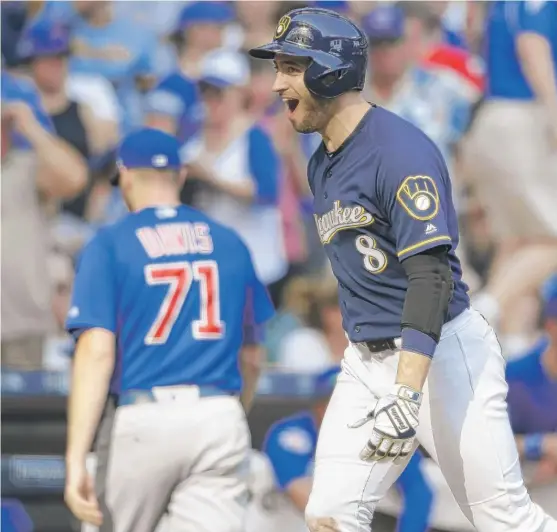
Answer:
(336, 47)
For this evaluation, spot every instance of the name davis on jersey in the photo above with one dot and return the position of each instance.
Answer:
(340, 218)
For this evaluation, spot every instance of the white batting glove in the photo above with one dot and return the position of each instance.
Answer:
(395, 419)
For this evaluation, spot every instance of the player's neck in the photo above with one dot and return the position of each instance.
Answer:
(153, 200)
(350, 113)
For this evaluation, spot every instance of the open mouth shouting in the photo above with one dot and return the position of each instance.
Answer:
(291, 105)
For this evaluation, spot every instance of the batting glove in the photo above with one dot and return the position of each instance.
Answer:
(395, 419)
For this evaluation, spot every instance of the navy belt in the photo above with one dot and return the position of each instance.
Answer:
(376, 346)
(135, 397)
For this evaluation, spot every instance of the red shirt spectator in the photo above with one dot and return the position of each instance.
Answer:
(467, 65)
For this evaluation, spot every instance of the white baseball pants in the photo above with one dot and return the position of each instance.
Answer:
(464, 426)
(181, 461)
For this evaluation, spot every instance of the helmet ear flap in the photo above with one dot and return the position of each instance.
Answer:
(325, 82)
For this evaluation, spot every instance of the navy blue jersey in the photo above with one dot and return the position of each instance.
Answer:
(177, 290)
(382, 197)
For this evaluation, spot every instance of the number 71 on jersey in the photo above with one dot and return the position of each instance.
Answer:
(179, 277)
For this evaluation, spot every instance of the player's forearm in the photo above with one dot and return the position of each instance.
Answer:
(412, 370)
(250, 365)
(425, 309)
(63, 172)
(243, 191)
(298, 491)
(535, 59)
(89, 389)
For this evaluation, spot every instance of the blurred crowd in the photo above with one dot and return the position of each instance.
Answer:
(477, 77)
(76, 76)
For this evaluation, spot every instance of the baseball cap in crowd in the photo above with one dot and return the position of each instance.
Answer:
(385, 23)
(325, 382)
(549, 297)
(335, 5)
(42, 39)
(148, 148)
(204, 13)
(225, 68)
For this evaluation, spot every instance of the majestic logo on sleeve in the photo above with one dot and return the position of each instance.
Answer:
(340, 218)
(419, 197)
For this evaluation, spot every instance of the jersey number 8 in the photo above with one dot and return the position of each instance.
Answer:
(179, 277)
(375, 261)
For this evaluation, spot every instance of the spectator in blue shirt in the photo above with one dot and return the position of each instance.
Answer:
(113, 47)
(510, 155)
(290, 446)
(532, 394)
(174, 105)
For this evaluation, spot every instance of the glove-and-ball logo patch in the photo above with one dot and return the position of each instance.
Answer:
(419, 197)
(283, 24)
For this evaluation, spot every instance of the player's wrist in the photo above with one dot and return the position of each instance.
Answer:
(533, 446)
(418, 342)
(407, 393)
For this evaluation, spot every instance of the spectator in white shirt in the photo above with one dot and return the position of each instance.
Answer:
(237, 164)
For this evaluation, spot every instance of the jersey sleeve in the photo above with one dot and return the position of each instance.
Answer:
(94, 294)
(534, 16)
(415, 199)
(289, 450)
(264, 167)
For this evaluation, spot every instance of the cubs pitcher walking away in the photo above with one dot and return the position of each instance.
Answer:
(164, 302)
(421, 365)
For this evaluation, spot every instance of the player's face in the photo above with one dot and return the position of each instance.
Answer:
(388, 59)
(221, 104)
(306, 113)
(49, 72)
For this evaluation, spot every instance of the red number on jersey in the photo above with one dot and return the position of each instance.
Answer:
(209, 327)
(179, 276)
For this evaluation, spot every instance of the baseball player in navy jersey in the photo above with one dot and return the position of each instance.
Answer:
(165, 303)
(421, 365)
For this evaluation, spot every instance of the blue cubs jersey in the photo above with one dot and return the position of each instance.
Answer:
(505, 22)
(532, 396)
(290, 446)
(382, 197)
(177, 290)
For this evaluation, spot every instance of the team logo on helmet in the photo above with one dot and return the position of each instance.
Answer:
(301, 36)
(283, 24)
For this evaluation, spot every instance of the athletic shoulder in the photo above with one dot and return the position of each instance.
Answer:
(404, 151)
(397, 137)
